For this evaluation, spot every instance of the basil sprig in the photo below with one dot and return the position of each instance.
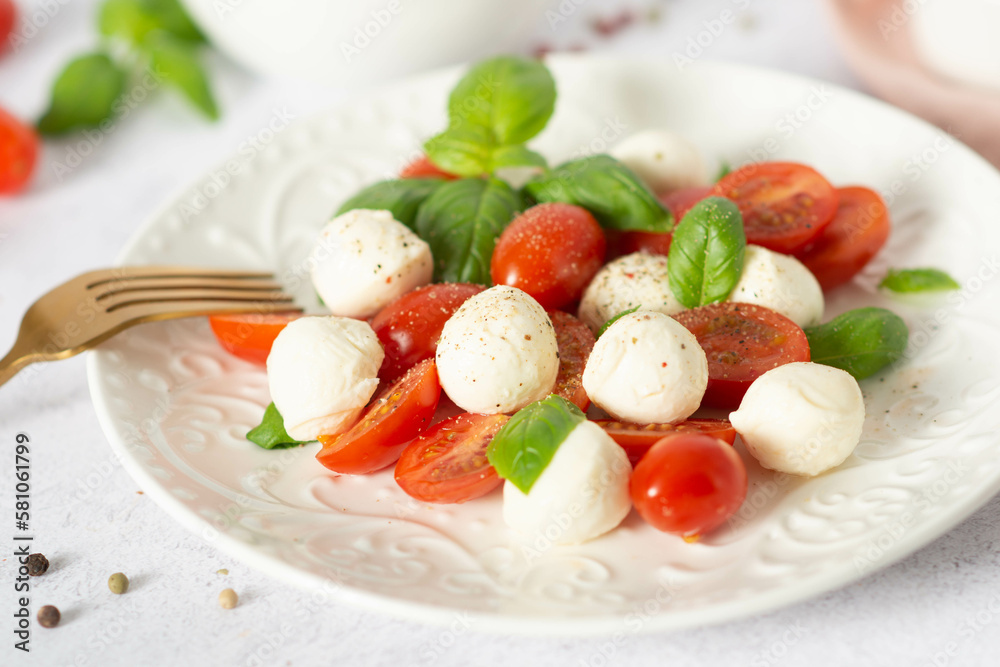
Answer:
(494, 109)
(461, 221)
(83, 95)
(918, 280)
(523, 448)
(606, 188)
(271, 433)
(401, 197)
(706, 253)
(860, 341)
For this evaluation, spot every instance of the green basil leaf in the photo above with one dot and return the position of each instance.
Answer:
(516, 156)
(860, 341)
(134, 20)
(401, 197)
(271, 433)
(523, 448)
(513, 97)
(465, 151)
(176, 63)
(606, 188)
(461, 221)
(706, 253)
(83, 95)
(607, 325)
(918, 280)
(170, 16)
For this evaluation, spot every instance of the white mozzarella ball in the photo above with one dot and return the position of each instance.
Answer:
(801, 418)
(365, 259)
(498, 352)
(648, 369)
(581, 494)
(663, 160)
(781, 283)
(639, 279)
(322, 371)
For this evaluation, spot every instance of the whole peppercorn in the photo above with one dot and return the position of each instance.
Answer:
(37, 564)
(228, 598)
(118, 583)
(48, 616)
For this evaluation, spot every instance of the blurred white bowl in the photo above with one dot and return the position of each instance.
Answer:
(958, 39)
(350, 42)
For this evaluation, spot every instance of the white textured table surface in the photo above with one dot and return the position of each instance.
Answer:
(940, 606)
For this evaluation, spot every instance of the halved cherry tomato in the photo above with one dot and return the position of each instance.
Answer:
(399, 414)
(250, 336)
(575, 341)
(636, 439)
(742, 341)
(18, 153)
(422, 167)
(658, 243)
(688, 484)
(410, 326)
(785, 205)
(858, 231)
(448, 463)
(551, 251)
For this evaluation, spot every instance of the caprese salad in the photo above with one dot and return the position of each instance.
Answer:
(559, 333)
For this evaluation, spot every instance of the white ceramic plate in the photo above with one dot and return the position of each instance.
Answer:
(176, 407)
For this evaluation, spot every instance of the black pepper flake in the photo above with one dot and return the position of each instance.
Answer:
(38, 564)
(48, 616)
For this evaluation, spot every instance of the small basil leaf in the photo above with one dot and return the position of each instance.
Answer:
(464, 151)
(271, 433)
(176, 62)
(83, 95)
(706, 254)
(401, 197)
(170, 16)
(606, 188)
(461, 221)
(860, 341)
(516, 156)
(523, 448)
(918, 280)
(607, 325)
(134, 20)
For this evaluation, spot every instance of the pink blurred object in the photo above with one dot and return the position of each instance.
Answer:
(878, 43)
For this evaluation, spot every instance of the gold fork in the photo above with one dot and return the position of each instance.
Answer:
(91, 308)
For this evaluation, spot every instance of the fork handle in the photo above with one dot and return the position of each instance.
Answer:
(12, 363)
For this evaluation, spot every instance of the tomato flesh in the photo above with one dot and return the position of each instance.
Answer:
(422, 167)
(410, 326)
(8, 17)
(636, 439)
(688, 484)
(249, 336)
(551, 251)
(448, 464)
(858, 231)
(575, 341)
(742, 342)
(785, 205)
(398, 415)
(18, 153)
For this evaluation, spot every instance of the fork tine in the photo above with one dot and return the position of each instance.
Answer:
(183, 298)
(163, 310)
(127, 273)
(152, 285)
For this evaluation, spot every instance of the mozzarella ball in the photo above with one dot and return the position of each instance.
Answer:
(364, 259)
(663, 160)
(498, 352)
(581, 494)
(781, 283)
(639, 279)
(322, 371)
(648, 369)
(801, 418)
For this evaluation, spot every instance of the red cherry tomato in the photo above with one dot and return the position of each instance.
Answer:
(18, 153)
(658, 243)
(575, 341)
(784, 205)
(448, 463)
(858, 231)
(551, 251)
(689, 484)
(742, 341)
(8, 17)
(422, 167)
(250, 336)
(410, 326)
(398, 415)
(636, 439)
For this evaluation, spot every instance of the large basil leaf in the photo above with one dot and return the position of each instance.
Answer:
(606, 188)
(918, 280)
(523, 448)
(461, 221)
(401, 197)
(271, 433)
(860, 341)
(176, 62)
(706, 253)
(84, 95)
